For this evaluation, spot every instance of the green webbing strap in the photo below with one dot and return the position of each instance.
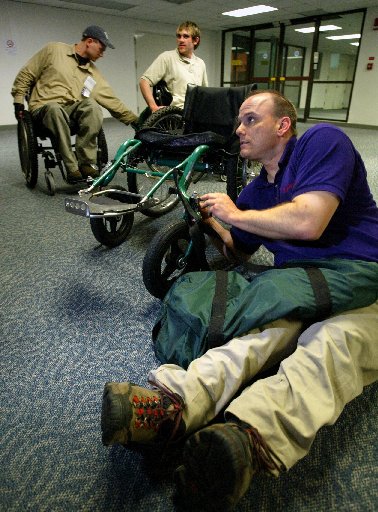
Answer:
(323, 299)
(199, 246)
(215, 336)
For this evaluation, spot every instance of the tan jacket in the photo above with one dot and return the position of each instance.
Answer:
(54, 75)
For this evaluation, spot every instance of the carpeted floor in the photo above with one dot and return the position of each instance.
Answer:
(75, 315)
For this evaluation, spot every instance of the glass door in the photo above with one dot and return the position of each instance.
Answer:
(312, 63)
(236, 57)
(295, 72)
(337, 53)
(250, 56)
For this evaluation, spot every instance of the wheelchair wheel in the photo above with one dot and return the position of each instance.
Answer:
(163, 262)
(169, 119)
(28, 149)
(50, 183)
(239, 173)
(112, 231)
(102, 150)
(142, 183)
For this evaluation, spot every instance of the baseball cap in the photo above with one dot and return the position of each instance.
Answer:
(98, 33)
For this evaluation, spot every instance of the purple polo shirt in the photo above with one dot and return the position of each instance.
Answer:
(324, 158)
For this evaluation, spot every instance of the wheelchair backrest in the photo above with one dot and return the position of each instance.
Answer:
(161, 94)
(213, 108)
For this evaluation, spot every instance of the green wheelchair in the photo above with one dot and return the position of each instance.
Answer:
(163, 165)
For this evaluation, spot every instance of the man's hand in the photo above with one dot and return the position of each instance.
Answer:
(18, 111)
(218, 204)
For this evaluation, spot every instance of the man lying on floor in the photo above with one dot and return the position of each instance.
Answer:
(311, 201)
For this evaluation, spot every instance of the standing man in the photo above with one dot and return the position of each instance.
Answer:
(311, 201)
(177, 68)
(65, 85)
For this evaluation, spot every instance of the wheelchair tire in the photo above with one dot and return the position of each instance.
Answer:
(50, 183)
(142, 183)
(112, 231)
(28, 149)
(163, 261)
(239, 173)
(169, 119)
(102, 148)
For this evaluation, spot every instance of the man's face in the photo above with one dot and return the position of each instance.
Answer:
(257, 128)
(94, 49)
(185, 43)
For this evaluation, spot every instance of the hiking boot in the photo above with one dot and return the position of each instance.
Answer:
(89, 170)
(135, 415)
(74, 176)
(219, 462)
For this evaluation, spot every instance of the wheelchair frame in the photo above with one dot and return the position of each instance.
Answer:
(111, 210)
(118, 205)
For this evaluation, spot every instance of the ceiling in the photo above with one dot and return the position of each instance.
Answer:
(207, 13)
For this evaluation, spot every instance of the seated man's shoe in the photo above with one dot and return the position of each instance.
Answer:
(89, 171)
(134, 415)
(74, 176)
(219, 462)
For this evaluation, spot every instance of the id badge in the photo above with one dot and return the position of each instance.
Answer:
(88, 86)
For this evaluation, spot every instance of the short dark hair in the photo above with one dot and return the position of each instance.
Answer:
(282, 106)
(193, 30)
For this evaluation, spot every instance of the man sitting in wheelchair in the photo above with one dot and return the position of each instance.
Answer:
(177, 68)
(68, 90)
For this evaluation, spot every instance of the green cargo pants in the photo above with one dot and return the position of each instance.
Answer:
(87, 116)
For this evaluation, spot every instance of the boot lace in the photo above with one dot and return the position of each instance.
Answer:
(262, 454)
(152, 411)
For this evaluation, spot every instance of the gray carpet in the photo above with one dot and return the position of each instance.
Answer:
(75, 315)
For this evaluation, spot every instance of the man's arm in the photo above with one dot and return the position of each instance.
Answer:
(146, 91)
(221, 238)
(105, 96)
(303, 218)
(28, 76)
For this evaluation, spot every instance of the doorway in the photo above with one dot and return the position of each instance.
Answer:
(305, 59)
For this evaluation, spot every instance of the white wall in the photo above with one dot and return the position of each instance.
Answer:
(30, 27)
(364, 105)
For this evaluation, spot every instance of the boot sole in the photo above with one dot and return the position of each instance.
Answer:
(217, 468)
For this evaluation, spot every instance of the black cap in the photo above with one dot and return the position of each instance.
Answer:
(98, 33)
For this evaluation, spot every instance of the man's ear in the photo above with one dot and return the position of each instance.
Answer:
(284, 125)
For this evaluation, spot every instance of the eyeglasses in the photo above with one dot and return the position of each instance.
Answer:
(102, 46)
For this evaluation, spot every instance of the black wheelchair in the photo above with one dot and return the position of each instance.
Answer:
(34, 140)
(161, 165)
(169, 118)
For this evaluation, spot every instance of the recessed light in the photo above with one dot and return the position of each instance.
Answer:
(347, 36)
(323, 28)
(355, 44)
(250, 11)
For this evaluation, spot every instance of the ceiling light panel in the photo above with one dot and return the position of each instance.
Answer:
(109, 4)
(324, 28)
(250, 11)
(347, 36)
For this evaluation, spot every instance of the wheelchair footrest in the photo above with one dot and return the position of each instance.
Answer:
(113, 204)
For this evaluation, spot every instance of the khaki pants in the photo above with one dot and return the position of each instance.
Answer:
(87, 115)
(321, 371)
